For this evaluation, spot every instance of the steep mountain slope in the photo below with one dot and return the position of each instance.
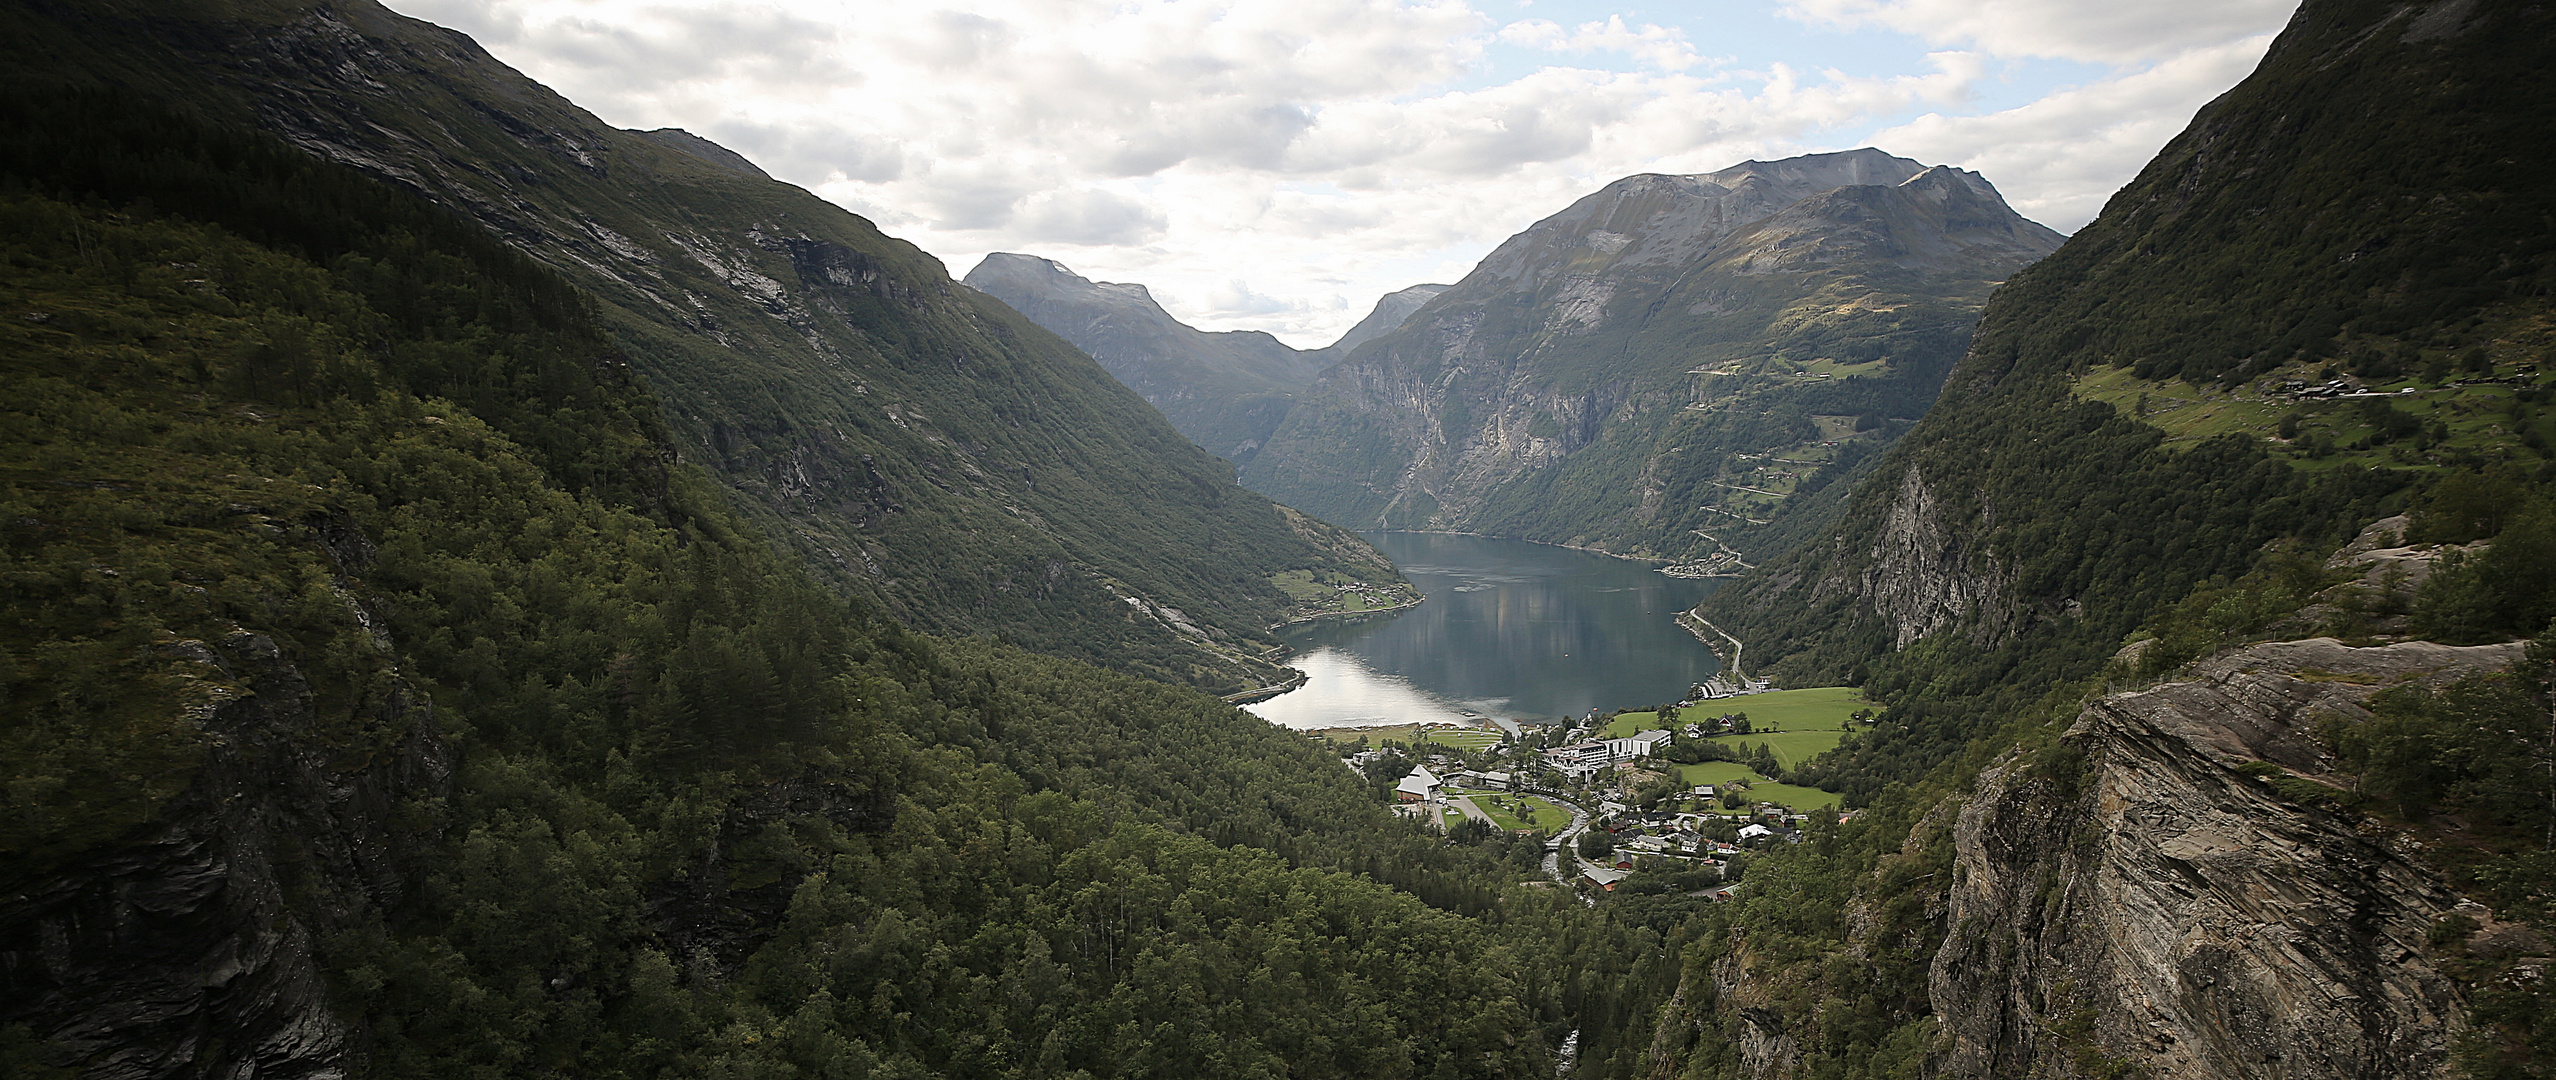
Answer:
(378, 698)
(2357, 199)
(2190, 766)
(1226, 391)
(922, 444)
(1658, 368)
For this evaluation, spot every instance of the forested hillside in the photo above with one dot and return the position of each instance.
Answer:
(382, 698)
(912, 440)
(1674, 366)
(2213, 612)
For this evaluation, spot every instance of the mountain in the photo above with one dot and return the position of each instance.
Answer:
(382, 695)
(1226, 391)
(2214, 609)
(2161, 399)
(924, 445)
(1389, 312)
(1660, 367)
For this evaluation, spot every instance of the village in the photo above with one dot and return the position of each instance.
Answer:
(1679, 793)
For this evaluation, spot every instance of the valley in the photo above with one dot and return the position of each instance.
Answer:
(491, 593)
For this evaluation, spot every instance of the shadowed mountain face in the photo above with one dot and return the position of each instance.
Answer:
(919, 442)
(1226, 391)
(1665, 365)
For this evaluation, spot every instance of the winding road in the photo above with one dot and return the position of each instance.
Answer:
(1561, 841)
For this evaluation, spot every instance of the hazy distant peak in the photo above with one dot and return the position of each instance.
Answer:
(1390, 311)
(1048, 278)
(678, 139)
(1010, 264)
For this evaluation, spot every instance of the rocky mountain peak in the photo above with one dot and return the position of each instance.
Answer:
(1657, 222)
(1390, 311)
(1029, 281)
(1810, 174)
(1606, 351)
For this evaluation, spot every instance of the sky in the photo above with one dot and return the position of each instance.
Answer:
(1279, 164)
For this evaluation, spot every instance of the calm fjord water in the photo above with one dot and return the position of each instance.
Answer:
(1510, 629)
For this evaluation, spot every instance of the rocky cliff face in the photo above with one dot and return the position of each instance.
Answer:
(1663, 365)
(1922, 576)
(190, 949)
(2154, 903)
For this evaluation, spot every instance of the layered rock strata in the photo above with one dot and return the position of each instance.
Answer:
(2141, 897)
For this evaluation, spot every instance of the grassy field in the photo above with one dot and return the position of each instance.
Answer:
(1324, 593)
(1799, 798)
(1760, 789)
(1718, 772)
(1464, 738)
(1817, 708)
(2465, 417)
(1522, 812)
(1460, 738)
(1791, 747)
(1630, 723)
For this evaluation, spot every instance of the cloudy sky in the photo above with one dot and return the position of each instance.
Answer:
(1278, 164)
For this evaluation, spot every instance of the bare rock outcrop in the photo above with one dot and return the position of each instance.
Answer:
(190, 950)
(2138, 896)
(1923, 575)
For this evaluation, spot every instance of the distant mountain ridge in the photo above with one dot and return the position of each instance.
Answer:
(1629, 373)
(1390, 311)
(1226, 390)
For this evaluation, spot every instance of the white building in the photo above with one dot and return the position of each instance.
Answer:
(1643, 744)
(1421, 786)
(1580, 759)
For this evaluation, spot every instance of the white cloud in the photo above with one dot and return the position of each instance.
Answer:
(2102, 32)
(2058, 159)
(1655, 46)
(1277, 164)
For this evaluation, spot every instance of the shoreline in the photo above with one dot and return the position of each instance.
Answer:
(1669, 567)
(1538, 543)
(1321, 615)
(1259, 694)
(1690, 622)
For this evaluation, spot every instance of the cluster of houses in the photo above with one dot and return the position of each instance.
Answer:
(1679, 836)
(1671, 838)
(1665, 835)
